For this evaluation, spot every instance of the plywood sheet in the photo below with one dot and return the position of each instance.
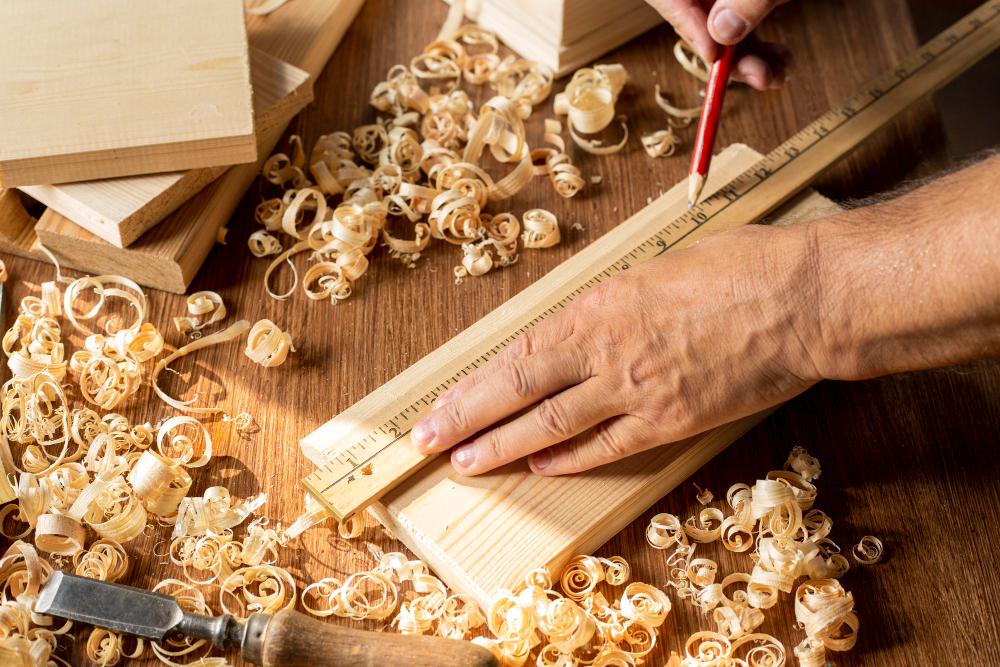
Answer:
(120, 210)
(116, 87)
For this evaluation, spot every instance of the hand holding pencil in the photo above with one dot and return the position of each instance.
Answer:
(708, 125)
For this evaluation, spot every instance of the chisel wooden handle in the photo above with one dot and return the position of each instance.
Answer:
(290, 639)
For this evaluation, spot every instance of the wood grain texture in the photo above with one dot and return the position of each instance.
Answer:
(120, 210)
(907, 458)
(168, 256)
(116, 88)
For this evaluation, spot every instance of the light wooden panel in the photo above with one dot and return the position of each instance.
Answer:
(303, 33)
(117, 87)
(120, 210)
(484, 533)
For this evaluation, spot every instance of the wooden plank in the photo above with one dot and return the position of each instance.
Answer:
(17, 233)
(120, 210)
(303, 33)
(484, 533)
(117, 87)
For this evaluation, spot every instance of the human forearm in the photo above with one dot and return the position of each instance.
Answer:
(911, 283)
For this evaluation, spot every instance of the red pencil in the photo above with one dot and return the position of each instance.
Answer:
(709, 123)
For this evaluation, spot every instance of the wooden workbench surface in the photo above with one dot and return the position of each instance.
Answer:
(911, 459)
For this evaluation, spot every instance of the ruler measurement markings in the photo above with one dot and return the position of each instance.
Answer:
(795, 148)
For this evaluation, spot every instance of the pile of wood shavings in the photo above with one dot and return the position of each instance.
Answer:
(420, 164)
(789, 539)
(72, 476)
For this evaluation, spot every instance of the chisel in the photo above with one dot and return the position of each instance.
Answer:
(286, 639)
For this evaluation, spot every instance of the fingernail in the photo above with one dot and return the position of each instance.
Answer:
(729, 25)
(465, 455)
(541, 460)
(445, 398)
(424, 432)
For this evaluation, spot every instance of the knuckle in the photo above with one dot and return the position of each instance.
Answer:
(554, 419)
(609, 339)
(455, 418)
(609, 446)
(517, 379)
(494, 449)
(606, 293)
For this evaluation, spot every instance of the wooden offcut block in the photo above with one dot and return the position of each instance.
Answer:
(564, 34)
(484, 533)
(120, 210)
(109, 88)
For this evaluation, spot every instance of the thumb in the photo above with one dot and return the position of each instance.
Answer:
(732, 20)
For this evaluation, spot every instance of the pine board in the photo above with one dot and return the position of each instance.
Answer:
(111, 88)
(303, 33)
(564, 34)
(120, 210)
(485, 533)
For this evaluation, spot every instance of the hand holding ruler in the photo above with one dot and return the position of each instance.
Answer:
(366, 451)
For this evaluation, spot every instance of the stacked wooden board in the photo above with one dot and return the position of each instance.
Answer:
(302, 34)
(484, 533)
(115, 88)
(120, 210)
(564, 34)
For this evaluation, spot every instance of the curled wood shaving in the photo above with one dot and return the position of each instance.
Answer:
(201, 303)
(258, 589)
(59, 534)
(524, 82)
(98, 285)
(678, 117)
(3, 272)
(868, 550)
(691, 61)
(806, 466)
(662, 143)
(105, 560)
(216, 510)
(268, 345)
(262, 244)
(555, 163)
(541, 229)
(704, 496)
(233, 332)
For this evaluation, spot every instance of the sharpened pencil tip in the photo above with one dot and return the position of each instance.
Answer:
(690, 204)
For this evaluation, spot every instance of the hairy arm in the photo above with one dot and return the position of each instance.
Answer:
(912, 283)
(737, 323)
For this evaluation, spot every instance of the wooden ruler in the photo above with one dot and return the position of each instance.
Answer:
(366, 451)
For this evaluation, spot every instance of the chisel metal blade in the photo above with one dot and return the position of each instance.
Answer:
(152, 616)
